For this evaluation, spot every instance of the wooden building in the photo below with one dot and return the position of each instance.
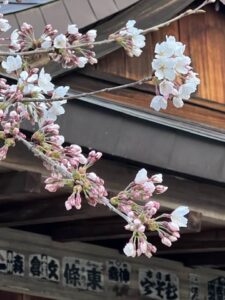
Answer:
(186, 145)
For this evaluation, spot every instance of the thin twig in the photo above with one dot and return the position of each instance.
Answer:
(55, 166)
(184, 14)
(106, 202)
(107, 41)
(62, 170)
(77, 96)
(197, 10)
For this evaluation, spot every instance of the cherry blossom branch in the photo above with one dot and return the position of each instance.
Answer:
(77, 96)
(188, 12)
(62, 170)
(45, 158)
(110, 40)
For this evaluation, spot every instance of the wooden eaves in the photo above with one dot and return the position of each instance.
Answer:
(129, 138)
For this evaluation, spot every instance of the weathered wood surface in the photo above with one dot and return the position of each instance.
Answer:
(204, 36)
(202, 197)
(196, 112)
(17, 296)
(27, 244)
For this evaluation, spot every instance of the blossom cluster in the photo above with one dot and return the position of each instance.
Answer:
(135, 201)
(66, 49)
(175, 80)
(33, 83)
(69, 49)
(10, 122)
(130, 38)
(174, 77)
(83, 184)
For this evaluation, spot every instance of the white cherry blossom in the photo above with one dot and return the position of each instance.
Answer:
(166, 88)
(177, 216)
(55, 110)
(175, 80)
(60, 41)
(14, 40)
(91, 34)
(141, 176)
(82, 61)
(178, 102)
(169, 48)
(12, 63)
(186, 90)
(182, 64)
(164, 68)
(46, 42)
(129, 250)
(131, 38)
(4, 24)
(25, 77)
(192, 78)
(60, 91)
(72, 29)
(44, 81)
(158, 102)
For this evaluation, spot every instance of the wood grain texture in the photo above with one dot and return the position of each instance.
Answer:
(204, 36)
(198, 111)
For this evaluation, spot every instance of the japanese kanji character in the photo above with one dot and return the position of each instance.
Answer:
(113, 273)
(72, 275)
(148, 283)
(94, 279)
(124, 275)
(35, 268)
(53, 267)
(18, 265)
(171, 289)
(160, 285)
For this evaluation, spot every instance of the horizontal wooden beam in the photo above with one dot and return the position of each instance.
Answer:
(111, 228)
(212, 259)
(204, 198)
(45, 211)
(18, 185)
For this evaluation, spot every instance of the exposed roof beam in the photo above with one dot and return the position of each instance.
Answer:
(203, 198)
(18, 185)
(101, 229)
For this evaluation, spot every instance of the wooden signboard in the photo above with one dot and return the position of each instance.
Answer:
(35, 265)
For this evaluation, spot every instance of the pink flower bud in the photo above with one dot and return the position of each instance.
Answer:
(176, 234)
(172, 238)
(160, 189)
(137, 222)
(52, 187)
(166, 241)
(141, 228)
(172, 226)
(157, 178)
(3, 152)
(143, 245)
(131, 214)
(68, 205)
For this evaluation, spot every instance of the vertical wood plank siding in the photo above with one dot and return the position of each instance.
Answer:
(204, 36)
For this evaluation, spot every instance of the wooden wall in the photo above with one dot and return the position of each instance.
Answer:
(204, 35)
(15, 296)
